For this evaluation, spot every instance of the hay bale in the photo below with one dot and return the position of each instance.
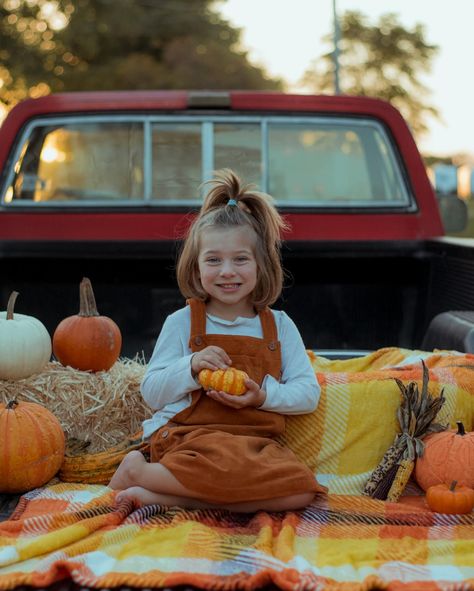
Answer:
(101, 409)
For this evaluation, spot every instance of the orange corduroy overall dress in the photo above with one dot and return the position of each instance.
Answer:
(227, 455)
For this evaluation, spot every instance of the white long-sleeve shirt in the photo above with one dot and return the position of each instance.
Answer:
(168, 380)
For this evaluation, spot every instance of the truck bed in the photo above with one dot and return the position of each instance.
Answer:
(358, 296)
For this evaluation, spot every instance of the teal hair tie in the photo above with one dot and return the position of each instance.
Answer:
(232, 202)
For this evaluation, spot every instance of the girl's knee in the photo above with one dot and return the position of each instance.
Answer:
(294, 502)
(306, 499)
(131, 463)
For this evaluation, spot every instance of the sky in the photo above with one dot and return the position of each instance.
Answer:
(285, 36)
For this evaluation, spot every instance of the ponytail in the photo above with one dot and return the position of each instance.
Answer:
(229, 203)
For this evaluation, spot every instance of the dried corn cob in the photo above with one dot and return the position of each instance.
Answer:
(415, 414)
(405, 468)
(390, 459)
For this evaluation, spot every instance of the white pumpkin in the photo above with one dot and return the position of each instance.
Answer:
(25, 344)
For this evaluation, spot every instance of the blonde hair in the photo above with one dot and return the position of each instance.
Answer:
(247, 207)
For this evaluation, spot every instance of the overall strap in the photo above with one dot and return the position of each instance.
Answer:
(198, 321)
(269, 328)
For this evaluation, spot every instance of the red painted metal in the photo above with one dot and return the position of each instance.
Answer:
(152, 225)
(170, 226)
(429, 222)
(85, 102)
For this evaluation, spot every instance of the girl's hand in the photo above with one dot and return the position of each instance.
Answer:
(211, 357)
(254, 396)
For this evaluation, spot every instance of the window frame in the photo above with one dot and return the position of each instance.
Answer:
(207, 122)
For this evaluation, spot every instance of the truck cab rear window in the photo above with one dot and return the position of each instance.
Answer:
(162, 160)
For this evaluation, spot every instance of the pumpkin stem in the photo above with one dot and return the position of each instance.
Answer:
(461, 430)
(11, 304)
(11, 404)
(453, 485)
(87, 305)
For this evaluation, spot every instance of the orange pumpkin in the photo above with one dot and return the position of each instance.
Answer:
(450, 499)
(231, 380)
(87, 341)
(32, 446)
(448, 456)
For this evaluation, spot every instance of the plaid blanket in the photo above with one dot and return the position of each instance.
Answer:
(338, 543)
(355, 422)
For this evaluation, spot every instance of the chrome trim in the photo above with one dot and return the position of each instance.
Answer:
(341, 353)
(207, 148)
(147, 161)
(265, 179)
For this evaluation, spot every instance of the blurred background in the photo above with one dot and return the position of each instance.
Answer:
(413, 55)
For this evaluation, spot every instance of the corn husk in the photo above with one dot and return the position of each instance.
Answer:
(96, 410)
(416, 415)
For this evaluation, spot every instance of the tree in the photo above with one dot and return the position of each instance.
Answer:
(121, 45)
(25, 35)
(384, 60)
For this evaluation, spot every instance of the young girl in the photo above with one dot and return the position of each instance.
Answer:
(212, 449)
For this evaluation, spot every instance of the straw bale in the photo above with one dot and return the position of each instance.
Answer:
(100, 408)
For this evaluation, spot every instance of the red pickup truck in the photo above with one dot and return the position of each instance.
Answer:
(103, 184)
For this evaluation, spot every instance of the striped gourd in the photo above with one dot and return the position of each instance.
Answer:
(99, 467)
(231, 381)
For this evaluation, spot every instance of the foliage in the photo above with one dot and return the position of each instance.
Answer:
(384, 60)
(25, 35)
(432, 159)
(70, 45)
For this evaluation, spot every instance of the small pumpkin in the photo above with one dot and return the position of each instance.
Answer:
(25, 344)
(87, 341)
(448, 456)
(231, 380)
(32, 445)
(442, 498)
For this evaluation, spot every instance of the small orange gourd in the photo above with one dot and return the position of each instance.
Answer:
(447, 456)
(231, 380)
(442, 498)
(87, 341)
(32, 445)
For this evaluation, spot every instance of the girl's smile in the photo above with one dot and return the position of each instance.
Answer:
(228, 270)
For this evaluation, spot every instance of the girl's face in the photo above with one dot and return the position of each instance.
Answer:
(228, 270)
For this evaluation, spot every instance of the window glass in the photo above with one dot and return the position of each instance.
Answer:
(332, 164)
(86, 161)
(389, 170)
(176, 161)
(318, 162)
(238, 146)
